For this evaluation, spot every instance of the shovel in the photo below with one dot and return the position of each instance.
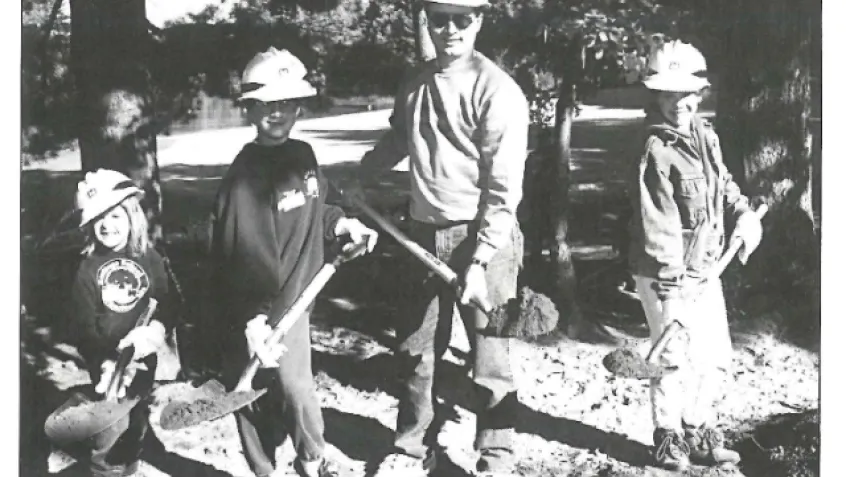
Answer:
(528, 316)
(211, 401)
(627, 362)
(80, 417)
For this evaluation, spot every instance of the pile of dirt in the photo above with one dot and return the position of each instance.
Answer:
(786, 444)
(529, 315)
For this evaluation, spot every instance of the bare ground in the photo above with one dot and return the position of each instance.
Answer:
(575, 419)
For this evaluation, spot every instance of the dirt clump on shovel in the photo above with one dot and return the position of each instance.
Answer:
(529, 315)
(628, 363)
(189, 413)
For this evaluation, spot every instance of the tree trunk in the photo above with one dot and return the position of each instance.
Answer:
(765, 106)
(109, 47)
(565, 273)
(422, 40)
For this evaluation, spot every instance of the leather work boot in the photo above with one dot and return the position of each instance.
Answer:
(671, 451)
(707, 446)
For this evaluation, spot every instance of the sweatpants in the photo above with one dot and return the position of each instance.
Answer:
(701, 351)
(289, 408)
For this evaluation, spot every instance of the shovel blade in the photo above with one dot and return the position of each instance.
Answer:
(629, 363)
(206, 403)
(80, 417)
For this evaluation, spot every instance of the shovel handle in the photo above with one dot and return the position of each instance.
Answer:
(665, 338)
(714, 273)
(432, 262)
(125, 356)
(297, 310)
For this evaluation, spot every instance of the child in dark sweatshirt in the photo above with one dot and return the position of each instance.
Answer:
(118, 276)
(270, 222)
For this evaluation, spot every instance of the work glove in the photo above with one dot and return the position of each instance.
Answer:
(257, 333)
(145, 339)
(357, 232)
(748, 228)
(107, 370)
(475, 286)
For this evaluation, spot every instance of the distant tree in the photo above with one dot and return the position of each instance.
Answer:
(769, 110)
(115, 118)
(561, 53)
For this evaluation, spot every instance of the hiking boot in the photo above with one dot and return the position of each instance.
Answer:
(494, 463)
(671, 451)
(397, 464)
(320, 468)
(707, 446)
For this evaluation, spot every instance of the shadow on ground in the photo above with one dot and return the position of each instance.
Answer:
(358, 437)
(582, 436)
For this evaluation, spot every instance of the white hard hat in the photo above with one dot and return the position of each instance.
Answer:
(676, 66)
(275, 75)
(100, 191)
(461, 3)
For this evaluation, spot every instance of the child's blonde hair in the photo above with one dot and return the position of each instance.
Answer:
(138, 242)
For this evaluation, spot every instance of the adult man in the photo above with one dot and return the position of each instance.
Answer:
(463, 122)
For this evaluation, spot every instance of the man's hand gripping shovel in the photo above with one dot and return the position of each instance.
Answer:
(528, 316)
(627, 362)
(211, 401)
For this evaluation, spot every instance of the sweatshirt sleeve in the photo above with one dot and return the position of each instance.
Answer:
(83, 318)
(660, 221)
(244, 242)
(331, 213)
(504, 143)
(391, 148)
(165, 293)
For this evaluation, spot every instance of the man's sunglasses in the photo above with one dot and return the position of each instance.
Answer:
(461, 21)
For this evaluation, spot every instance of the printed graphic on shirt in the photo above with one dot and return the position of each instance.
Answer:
(291, 199)
(122, 284)
(311, 184)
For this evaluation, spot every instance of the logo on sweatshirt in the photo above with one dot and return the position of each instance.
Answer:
(123, 283)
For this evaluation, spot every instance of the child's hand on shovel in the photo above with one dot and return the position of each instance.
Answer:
(146, 340)
(357, 232)
(107, 370)
(257, 333)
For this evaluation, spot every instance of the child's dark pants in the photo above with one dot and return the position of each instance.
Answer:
(290, 407)
(116, 450)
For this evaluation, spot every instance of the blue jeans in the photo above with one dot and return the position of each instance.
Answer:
(424, 333)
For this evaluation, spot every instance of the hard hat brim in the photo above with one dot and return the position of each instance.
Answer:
(280, 91)
(460, 3)
(105, 202)
(677, 83)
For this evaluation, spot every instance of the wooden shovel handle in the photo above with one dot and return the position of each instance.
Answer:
(297, 310)
(432, 262)
(125, 356)
(713, 274)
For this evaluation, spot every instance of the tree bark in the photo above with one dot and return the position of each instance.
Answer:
(765, 107)
(116, 127)
(563, 260)
(425, 47)
(110, 47)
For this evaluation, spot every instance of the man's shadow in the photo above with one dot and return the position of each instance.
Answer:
(455, 388)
